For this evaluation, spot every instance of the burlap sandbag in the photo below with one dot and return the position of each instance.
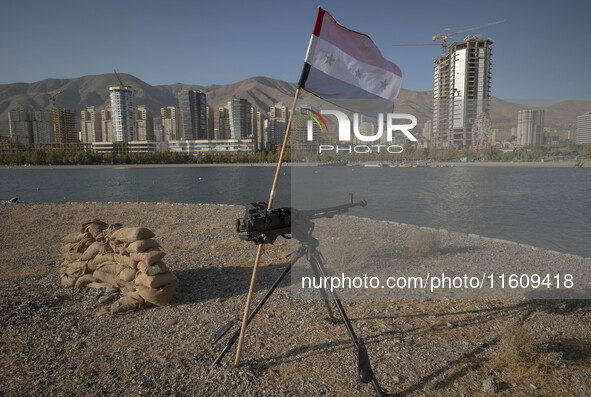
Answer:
(159, 297)
(71, 272)
(63, 266)
(77, 268)
(105, 274)
(149, 257)
(98, 285)
(68, 281)
(152, 270)
(131, 234)
(104, 235)
(102, 258)
(78, 246)
(111, 267)
(84, 281)
(94, 227)
(72, 256)
(74, 237)
(91, 251)
(117, 246)
(156, 281)
(82, 245)
(68, 247)
(126, 286)
(129, 302)
(127, 274)
(91, 266)
(125, 260)
(142, 245)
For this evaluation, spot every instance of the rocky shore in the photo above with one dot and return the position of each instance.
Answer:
(51, 342)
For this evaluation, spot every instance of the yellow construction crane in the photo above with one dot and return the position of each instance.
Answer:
(445, 36)
(119, 78)
(53, 98)
(55, 113)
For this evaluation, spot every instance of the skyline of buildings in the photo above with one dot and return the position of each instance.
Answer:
(461, 98)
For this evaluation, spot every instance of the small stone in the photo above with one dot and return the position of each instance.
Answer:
(449, 325)
(533, 386)
(489, 386)
(22, 306)
(106, 298)
(170, 322)
(61, 338)
(395, 380)
(111, 290)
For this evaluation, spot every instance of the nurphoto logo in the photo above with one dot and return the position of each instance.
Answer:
(344, 135)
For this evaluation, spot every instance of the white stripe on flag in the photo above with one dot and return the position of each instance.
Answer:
(351, 70)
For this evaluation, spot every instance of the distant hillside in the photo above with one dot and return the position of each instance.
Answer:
(262, 92)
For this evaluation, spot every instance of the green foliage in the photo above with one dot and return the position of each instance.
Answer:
(410, 153)
(89, 157)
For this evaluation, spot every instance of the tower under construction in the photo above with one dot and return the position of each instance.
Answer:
(461, 91)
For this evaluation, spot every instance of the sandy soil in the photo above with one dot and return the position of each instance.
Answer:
(52, 344)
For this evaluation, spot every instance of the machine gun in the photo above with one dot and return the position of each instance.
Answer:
(263, 226)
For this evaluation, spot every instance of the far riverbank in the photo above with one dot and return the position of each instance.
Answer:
(515, 164)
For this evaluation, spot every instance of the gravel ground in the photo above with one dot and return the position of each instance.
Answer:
(51, 342)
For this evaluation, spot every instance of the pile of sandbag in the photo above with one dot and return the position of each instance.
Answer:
(102, 255)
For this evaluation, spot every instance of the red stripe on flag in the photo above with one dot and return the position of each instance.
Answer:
(321, 13)
(358, 45)
(318, 24)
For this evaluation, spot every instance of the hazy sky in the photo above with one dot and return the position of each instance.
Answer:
(542, 51)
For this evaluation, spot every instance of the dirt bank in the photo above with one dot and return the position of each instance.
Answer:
(52, 344)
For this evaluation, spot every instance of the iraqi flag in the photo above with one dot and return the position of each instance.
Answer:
(347, 69)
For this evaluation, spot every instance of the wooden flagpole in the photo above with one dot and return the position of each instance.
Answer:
(260, 247)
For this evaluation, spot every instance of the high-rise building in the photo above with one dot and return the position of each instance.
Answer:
(193, 110)
(239, 118)
(171, 123)
(145, 124)
(64, 125)
(276, 125)
(90, 125)
(301, 147)
(530, 127)
(583, 134)
(461, 90)
(259, 122)
(210, 123)
(107, 124)
(42, 124)
(223, 123)
(123, 113)
(20, 127)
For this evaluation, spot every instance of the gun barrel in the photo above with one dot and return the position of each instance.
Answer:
(329, 212)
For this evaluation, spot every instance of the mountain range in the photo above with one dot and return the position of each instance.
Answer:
(262, 92)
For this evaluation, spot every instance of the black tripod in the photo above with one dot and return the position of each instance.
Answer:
(302, 229)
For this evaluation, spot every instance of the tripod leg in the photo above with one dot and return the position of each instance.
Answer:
(298, 254)
(365, 372)
(314, 267)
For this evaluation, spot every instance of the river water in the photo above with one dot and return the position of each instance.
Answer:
(545, 207)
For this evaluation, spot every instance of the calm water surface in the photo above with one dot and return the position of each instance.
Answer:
(547, 207)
